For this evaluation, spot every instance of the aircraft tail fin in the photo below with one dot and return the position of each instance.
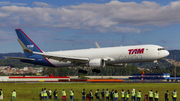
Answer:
(26, 43)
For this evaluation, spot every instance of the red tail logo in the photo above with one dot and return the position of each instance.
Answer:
(136, 51)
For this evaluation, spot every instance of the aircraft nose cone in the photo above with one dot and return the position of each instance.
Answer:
(166, 53)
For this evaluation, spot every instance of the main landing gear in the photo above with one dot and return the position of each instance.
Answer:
(82, 71)
(96, 71)
(85, 72)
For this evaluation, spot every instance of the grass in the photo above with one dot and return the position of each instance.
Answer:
(31, 91)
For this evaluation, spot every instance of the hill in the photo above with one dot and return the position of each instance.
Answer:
(3, 56)
(13, 62)
(174, 54)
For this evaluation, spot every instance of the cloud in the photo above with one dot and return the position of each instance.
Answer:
(6, 37)
(41, 4)
(138, 43)
(115, 16)
(164, 41)
(4, 3)
(169, 47)
(9, 3)
(100, 0)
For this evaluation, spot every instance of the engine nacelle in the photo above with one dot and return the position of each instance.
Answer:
(96, 63)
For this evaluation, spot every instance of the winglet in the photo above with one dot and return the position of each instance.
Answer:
(24, 47)
(97, 45)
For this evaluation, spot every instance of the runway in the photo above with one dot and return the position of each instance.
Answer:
(67, 79)
(140, 82)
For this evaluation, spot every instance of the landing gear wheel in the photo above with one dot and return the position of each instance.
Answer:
(82, 71)
(156, 67)
(96, 70)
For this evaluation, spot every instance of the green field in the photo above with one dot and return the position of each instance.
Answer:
(31, 91)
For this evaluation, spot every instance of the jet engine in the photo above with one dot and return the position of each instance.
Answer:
(97, 63)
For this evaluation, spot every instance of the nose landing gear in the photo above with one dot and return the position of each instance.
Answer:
(156, 64)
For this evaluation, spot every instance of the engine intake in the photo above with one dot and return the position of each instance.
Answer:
(97, 63)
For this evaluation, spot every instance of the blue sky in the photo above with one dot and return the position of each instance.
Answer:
(77, 24)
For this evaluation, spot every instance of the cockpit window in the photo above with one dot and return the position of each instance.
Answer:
(159, 49)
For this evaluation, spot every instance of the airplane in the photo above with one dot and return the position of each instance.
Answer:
(93, 57)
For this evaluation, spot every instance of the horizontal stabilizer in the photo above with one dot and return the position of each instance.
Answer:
(21, 58)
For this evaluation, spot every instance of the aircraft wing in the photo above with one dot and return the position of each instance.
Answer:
(63, 58)
(97, 45)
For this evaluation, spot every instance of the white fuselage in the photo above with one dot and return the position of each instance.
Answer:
(117, 55)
